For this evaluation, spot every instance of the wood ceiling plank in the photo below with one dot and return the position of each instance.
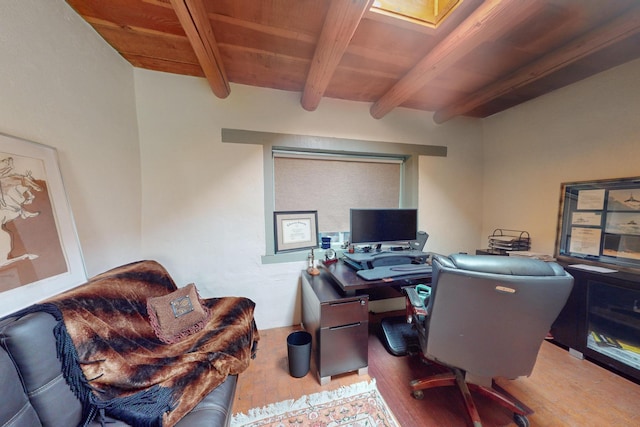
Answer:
(619, 29)
(370, 87)
(303, 16)
(460, 79)
(140, 42)
(387, 40)
(488, 21)
(231, 22)
(339, 26)
(151, 14)
(369, 62)
(165, 65)
(263, 69)
(195, 20)
(260, 38)
(493, 60)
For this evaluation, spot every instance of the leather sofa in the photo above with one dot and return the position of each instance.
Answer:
(34, 391)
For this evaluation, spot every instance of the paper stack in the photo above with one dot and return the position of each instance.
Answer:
(509, 243)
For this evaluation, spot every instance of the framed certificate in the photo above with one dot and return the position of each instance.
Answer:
(295, 230)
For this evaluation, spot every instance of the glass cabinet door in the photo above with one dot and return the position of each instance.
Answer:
(613, 319)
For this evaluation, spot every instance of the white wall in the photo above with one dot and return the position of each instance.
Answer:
(203, 201)
(589, 130)
(451, 189)
(63, 86)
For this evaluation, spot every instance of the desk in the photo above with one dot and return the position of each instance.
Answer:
(335, 311)
(350, 283)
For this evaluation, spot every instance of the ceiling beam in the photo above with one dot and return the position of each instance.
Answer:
(195, 21)
(489, 20)
(614, 31)
(339, 26)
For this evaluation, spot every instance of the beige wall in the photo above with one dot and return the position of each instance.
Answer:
(451, 189)
(63, 86)
(203, 202)
(589, 130)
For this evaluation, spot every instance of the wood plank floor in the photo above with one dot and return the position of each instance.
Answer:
(563, 390)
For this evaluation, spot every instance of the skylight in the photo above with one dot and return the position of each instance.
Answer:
(425, 12)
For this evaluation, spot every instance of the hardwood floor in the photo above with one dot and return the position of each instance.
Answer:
(563, 390)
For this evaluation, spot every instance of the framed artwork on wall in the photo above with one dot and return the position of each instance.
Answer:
(599, 222)
(39, 247)
(295, 230)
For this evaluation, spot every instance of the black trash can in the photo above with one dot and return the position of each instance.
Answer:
(299, 353)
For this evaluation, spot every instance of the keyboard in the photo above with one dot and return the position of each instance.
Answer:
(391, 271)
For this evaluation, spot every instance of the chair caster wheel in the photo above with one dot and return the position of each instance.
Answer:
(521, 420)
(418, 394)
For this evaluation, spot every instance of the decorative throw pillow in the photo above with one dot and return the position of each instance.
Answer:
(177, 315)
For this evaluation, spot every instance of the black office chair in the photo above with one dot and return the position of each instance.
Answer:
(486, 317)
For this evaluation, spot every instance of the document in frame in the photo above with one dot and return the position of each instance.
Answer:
(585, 241)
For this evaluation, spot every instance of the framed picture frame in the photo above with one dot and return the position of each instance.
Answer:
(295, 230)
(40, 254)
(599, 223)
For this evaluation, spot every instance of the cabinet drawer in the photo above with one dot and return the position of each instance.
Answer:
(343, 349)
(344, 312)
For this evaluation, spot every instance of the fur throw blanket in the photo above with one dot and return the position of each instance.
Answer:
(115, 363)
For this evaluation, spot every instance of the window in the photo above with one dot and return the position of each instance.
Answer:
(404, 157)
(334, 183)
(427, 12)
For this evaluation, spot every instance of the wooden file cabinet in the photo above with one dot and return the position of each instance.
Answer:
(338, 324)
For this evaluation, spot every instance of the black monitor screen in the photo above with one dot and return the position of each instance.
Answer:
(383, 225)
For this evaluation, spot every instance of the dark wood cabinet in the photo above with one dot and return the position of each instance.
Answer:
(565, 329)
(338, 324)
(601, 320)
(500, 252)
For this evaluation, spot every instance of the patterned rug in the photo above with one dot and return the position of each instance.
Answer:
(357, 405)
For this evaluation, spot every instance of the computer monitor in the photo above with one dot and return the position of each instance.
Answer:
(377, 226)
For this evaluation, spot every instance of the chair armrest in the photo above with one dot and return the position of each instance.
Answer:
(414, 298)
(415, 305)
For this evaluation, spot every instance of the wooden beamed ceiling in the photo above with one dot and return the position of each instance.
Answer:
(486, 56)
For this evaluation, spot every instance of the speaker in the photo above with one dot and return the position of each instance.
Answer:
(421, 240)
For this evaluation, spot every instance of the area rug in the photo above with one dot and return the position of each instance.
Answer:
(357, 405)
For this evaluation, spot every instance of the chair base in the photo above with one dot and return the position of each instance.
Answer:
(495, 393)
(399, 337)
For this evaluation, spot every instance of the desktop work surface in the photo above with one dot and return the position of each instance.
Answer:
(351, 281)
(373, 259)
(394, 272)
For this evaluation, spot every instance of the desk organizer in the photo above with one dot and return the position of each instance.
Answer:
(509, 240)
